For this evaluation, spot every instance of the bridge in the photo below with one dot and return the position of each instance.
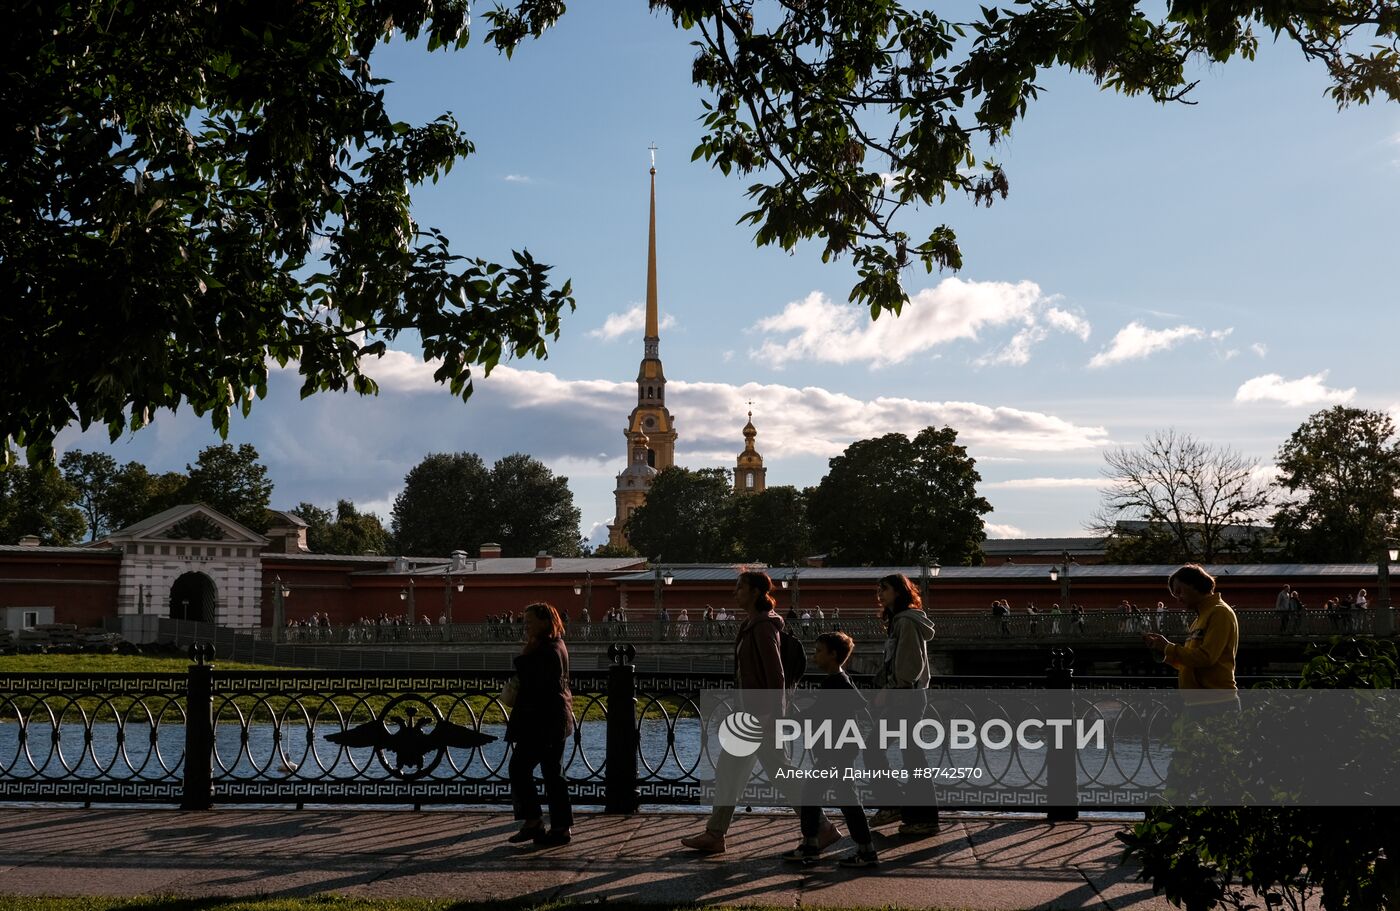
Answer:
(1104, 641)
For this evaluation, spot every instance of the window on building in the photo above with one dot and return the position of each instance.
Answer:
(150, 548)
(748, 479)
(31, 619)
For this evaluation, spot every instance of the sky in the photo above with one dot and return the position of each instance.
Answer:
(1225, 268)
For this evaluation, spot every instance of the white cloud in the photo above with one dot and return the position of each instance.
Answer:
(818, 329)
(628, 322)
(1135, 341)
(791, 421)
(1260, 349)
(1042, 483)
(518, 178)
(1065, 321)
(995, 530)
(1308, 390)
(1017, 352)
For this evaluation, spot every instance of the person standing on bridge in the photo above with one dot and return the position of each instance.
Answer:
(539, 728)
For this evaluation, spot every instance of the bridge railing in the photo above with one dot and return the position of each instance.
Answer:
(1063, 628)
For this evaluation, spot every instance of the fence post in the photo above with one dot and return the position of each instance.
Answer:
(1061, 762)
(620, 766)
(199, 730)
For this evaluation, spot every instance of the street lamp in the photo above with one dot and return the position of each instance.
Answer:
(1385, 623)
(280, 594)
(658, 591)
(447, 593)
(1062, 576)
(927, 571)
(794, 583)
(585, 588)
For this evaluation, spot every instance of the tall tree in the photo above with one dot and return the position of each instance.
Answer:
(345, 531)
(771, 526)
(234, 482)
(37, 500)
(136, 493)
(686, 517)
(229, 176)
(445, 505)
(891, 500)
(92, 475)
(533, 508)
(1341, 472)
(1200, 498)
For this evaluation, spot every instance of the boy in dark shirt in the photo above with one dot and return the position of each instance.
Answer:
(831, 653)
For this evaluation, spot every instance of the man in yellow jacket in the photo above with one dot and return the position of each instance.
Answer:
(1206, 660)
(1205, 665)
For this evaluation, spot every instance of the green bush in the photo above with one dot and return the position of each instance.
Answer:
(1348, 858)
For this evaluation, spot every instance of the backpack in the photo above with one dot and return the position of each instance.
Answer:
(792, 655)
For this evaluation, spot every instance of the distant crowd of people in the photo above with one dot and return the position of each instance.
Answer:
(1345, 613)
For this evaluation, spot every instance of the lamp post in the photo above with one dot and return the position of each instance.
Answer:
(794, 586)
(1062, 576)
(407, 594)
(1385, 622)
(658, 591)
(585, 588)
(927, 572)
(447, 593)
(280, 594)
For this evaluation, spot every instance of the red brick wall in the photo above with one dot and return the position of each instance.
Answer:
(81, 588)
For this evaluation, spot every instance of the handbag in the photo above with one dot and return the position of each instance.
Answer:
(510, 692)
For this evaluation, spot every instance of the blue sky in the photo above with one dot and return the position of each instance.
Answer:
(1225, 268)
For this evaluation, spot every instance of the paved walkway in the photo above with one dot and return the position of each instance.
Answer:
(976, 862)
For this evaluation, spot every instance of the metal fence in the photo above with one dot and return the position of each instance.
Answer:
(213, 736)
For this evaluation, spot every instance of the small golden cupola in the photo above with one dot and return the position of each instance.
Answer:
(749, 474)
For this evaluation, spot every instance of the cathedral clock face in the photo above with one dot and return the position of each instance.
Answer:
(651, 422)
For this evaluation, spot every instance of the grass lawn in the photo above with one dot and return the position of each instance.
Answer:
(88, 663)
(586, 708)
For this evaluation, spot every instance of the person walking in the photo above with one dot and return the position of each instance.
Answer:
(758, 674)
(905, 666)
(830, 654)
(539, 727)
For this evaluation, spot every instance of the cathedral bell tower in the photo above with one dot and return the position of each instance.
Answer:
(650, 419)
(749, 474)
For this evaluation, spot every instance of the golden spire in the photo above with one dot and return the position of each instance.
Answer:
(653, 322)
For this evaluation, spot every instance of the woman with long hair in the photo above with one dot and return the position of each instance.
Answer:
(539, 729)
(758, 674)
(908, 631)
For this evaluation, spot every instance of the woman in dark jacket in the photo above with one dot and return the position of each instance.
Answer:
(539, 728)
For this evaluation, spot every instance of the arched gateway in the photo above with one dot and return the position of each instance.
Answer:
(194, 597)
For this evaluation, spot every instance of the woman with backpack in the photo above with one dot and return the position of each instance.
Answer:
(759, 675)
(908, 630)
